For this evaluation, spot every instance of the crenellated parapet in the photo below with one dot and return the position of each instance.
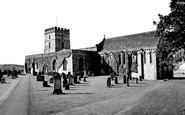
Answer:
(57, 29)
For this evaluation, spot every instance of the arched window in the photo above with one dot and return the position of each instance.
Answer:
(45, 69)
(144, 57)
(123, 57)
(37, 65)
(119, 59)
(54, 65)
(64, 64)
(150, 54)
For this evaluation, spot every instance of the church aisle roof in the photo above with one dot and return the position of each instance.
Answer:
(146, 40)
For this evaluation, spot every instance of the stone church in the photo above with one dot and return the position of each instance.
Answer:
(104, 58)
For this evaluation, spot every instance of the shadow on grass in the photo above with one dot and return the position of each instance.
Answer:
(124, 85)
(142, 83)
(87, 82)
(6, 82)
(85, 93)
(73, 89)
(178, 78)
(83, 85)
(43, 90)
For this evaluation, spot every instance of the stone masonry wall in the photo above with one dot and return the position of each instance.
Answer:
(115, 61)
(86, 60)
(40, 62)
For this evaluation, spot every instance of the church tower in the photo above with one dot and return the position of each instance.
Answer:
(56, 39)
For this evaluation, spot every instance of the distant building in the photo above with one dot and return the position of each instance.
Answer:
(106, 57)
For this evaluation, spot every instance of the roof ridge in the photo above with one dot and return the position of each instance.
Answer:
(140, 33)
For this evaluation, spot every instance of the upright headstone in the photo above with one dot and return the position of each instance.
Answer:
(75, 79)
(108, 82)
(14, 73)
(84, 76)
(70, 80)
(124, 79)
(67, 87)
(40, 77)
(79, 77)
(136, 80)
(140, 78)
(70, 77)
(116, 80)
(57, 84)
(45, 84)
(51, 80)
(64, 82)
(112, 75)
(3, 80)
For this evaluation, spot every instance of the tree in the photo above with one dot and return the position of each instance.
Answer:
(171, 29)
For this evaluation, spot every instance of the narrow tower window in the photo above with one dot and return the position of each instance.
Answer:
(62, 44)
(49, 45)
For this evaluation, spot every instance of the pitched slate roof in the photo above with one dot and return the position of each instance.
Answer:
(146, 40)
(89, 48)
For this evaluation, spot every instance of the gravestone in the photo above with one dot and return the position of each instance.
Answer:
(84, 79)
(140, 78)
(112, 75)
(34, 73)
(45, 84)
(75, 79)
(127, 77)
(124, 79)
(116, 80)
(40, 77)
(136, 80)
(51, 80)
(14, 73)
(64, 82)
(57, 84)
(79, 77)
(3, 80)
(70, 80)
(108, 82)
(70, 77)
(67, 87)
(85, 76)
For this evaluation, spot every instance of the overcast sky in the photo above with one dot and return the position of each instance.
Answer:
(22, 22)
